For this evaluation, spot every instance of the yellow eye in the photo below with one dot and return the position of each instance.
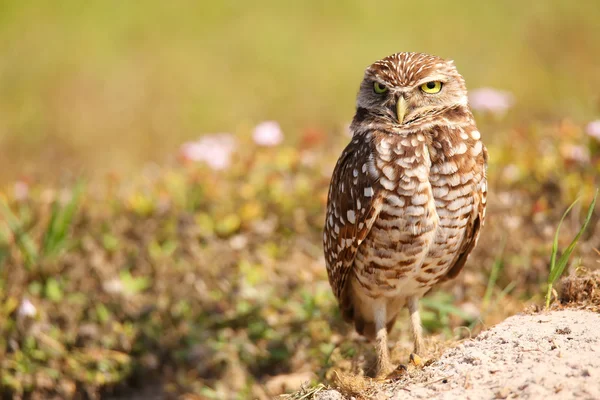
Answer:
(432, 87)
(379, 88)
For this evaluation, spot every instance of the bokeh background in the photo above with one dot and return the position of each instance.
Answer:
(164, 169)
(105, 85)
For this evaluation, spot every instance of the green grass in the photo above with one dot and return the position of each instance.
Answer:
(55, 238)
(496, 268)
(557, 267)
(55, 234)
(21, 238)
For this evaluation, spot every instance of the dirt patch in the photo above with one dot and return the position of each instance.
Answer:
(553, 355)
(584, 290)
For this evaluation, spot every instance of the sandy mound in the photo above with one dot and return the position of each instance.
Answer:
(552, 355)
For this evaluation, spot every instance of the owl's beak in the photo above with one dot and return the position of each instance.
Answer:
(401, 109)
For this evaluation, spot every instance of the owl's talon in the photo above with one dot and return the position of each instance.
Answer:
(416, 360)
(429, 362)
(397, 373)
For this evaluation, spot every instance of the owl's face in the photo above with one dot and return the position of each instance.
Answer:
(407, 89)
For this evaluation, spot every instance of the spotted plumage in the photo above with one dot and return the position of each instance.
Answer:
(408, 194)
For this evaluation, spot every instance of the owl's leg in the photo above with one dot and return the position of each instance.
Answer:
(383, 356)
(417, 330)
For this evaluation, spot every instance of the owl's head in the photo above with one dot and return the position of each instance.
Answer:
(407, 89)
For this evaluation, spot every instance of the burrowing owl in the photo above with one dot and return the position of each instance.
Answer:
(407, 197)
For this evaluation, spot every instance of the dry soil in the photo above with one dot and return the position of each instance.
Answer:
(554, 355)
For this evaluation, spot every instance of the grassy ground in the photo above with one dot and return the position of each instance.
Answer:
(176, 279)
(213, 282)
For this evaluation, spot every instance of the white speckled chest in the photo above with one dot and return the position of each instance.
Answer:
(427, 183)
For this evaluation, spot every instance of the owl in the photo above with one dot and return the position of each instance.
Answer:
(407, 197)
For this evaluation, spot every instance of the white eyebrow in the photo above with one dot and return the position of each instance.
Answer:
(433, 78)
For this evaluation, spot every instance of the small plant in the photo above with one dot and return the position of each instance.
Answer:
(496, 267)
(56, 235)
(21, 238)
(438, 310)
(557, 267)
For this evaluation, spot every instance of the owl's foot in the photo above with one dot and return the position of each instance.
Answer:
(383, 369)
(396, 373)
(414, 360)
(401, 369)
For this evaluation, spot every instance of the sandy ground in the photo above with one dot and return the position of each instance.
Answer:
(553, 355)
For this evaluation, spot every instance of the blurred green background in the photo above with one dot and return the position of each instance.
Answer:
(110, 85)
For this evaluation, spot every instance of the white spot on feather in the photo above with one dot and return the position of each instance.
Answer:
(389, 172)
(419, 199)
(461, 148)
(447, 168)
(388, 184)
(395, 200)
(351, 216)
(476, 149)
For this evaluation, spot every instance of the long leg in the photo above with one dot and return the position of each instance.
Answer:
(415, 322)
(383, 355)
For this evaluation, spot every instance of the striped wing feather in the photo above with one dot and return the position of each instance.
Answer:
(350, 215)
(473, 227)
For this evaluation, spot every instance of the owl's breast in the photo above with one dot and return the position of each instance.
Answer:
(427, 192)
(456, 171)
(389, 260)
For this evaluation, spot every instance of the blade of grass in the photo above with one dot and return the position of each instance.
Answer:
(55, 238)
(496, 267)
(557, 267)
(566, 255)
(486, 311)
(556, 235)
(24, 242)
(554, 252)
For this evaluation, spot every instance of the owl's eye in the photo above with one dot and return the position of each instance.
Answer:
(379, 88)
(432, 87)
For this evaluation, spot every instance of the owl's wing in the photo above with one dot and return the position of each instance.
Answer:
(473, 226)
(353, 204)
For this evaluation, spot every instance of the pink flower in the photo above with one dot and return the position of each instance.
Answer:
(490, 100)
(21, 190)
(268, 134)
(26, 309)
(214, 150)
(593, 129)
(575, 153)
(511, 173)
(113, 286)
